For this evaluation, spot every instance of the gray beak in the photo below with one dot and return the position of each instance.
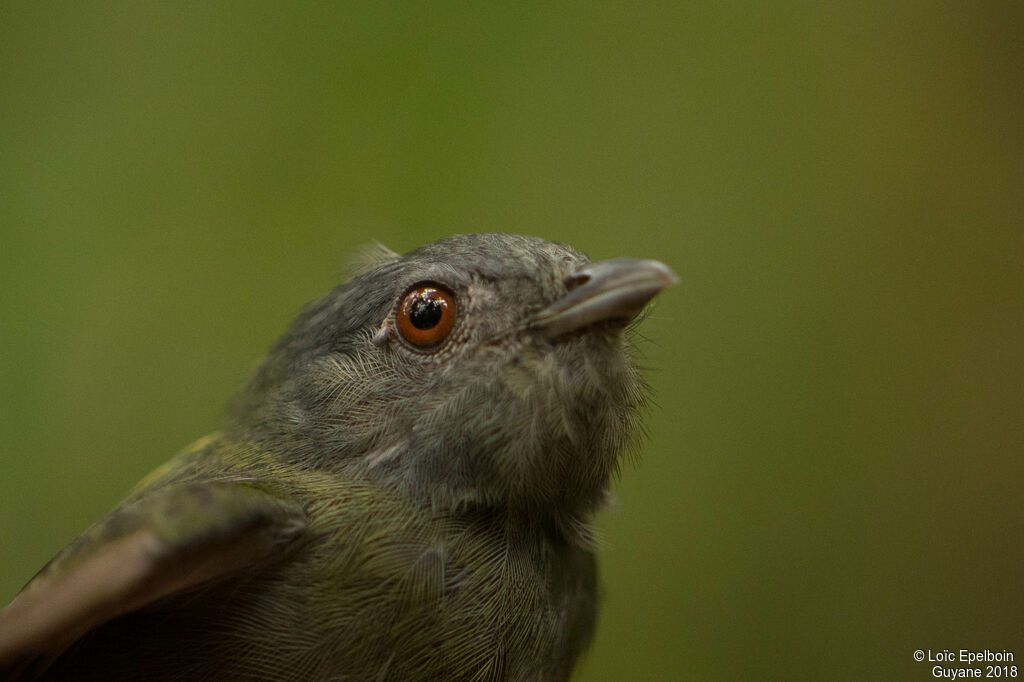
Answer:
(610, 291)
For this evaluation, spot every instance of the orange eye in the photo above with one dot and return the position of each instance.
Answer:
(426, 315)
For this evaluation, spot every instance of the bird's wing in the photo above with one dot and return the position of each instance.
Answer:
(173, 539)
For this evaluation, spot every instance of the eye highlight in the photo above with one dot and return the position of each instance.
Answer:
(426, 315)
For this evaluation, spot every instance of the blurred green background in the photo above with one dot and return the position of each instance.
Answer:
(834, 468)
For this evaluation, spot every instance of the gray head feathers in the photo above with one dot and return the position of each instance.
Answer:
(496, 414)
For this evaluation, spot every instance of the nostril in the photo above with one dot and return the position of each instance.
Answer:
(578, 279)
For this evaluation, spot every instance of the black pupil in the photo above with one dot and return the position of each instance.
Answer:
(425, 312)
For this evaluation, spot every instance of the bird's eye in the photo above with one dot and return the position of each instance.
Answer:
(426, 315)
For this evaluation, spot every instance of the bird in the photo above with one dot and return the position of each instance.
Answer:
(403, 490)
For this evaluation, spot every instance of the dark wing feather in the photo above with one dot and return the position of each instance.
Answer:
(176, 538)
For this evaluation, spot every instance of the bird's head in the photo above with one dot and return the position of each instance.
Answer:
(486, 369)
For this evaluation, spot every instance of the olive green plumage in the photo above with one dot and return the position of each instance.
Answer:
(374, 508)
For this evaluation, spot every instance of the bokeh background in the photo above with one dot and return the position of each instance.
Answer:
(833, 474)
